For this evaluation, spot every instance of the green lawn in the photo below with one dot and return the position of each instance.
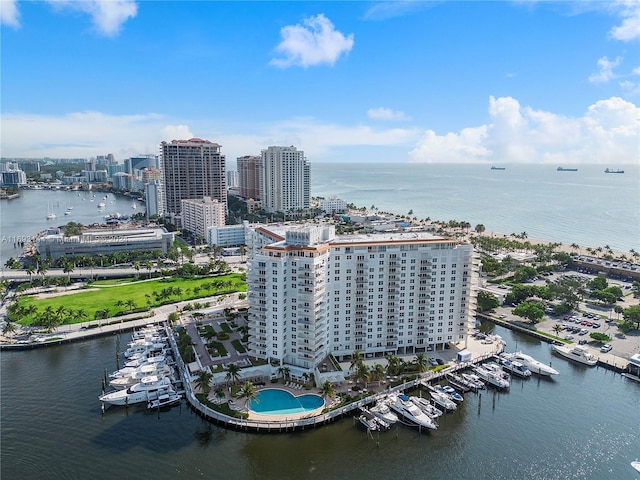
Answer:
(144, 294)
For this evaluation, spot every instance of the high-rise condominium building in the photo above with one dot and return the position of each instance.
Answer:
(312, 293)
(249, 176)
(200, 214)
(192, 168)
(285, 180)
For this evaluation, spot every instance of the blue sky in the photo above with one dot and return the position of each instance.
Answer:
(406, 81)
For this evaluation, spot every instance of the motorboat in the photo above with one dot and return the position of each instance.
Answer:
(424, 405)
(491, 377)
(145, 357)
(443, 400)
(404, 407)
(474, 380)
(382, 411)
(126, 381)
(636, 465)
(101, 205)
(459, 383)
(497, 369)
(143, 346)
(515, 367)
(165, 400)
(369, 420)
(149, 388)
(531, 363)
(576, 353)
(448, 390)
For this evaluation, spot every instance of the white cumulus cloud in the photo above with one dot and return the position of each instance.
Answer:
(108, 16)
(383, 113)
(629, 28)
(605, 70)
(314, 42)
(606, 133)
(9, 14)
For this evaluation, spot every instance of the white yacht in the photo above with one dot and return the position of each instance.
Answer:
(164, 400)
(531, 363)
(443, 400)
(424, 405)
(381, 410)
(404, 407)
(636, 465)
(370, 421)
(474, 380)
(575, 352)
(143, 346)
(448, 390)
(493, 378)
(140, 359)
(126, 381)
(515, 367)
(148, 389)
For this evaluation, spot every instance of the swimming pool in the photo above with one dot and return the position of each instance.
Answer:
(274, 401)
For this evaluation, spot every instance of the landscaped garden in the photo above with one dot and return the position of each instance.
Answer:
(101, 301)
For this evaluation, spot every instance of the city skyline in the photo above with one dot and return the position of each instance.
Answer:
(415, 81)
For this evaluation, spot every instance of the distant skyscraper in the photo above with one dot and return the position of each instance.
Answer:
(285, 180)
(232, 179)
(249, 176)
(153, 198)
(192, 168)
(140, 163)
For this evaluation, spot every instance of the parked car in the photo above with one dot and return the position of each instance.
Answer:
(440, 361)
(433, 362)
(606, 348)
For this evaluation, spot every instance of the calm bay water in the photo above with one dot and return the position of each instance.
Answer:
(26, 216)
(585, 424)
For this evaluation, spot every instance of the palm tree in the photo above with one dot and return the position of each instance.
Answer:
(422, 362)
(363, 372)
(356, 359)
(393, 364)
(327, 390)
(30, 271)
(130, 304)
(204, 380)
(68, 268)
(378, 373)
(557, 329)
(9, 329)
(219, 392)
(249, 393)
(233, 373)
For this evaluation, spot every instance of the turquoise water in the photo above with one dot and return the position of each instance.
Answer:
(274, 401)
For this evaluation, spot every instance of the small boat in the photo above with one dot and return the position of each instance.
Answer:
(474, 380)
(577, 353)
(405, 408)
(443, 400)
(636, 465)
(381, 410)
(491, 377)
(50, 213)
(515, 367)
(531, 363)
(101, 205)
(611, 170)
(459, 383)
(134, 206)
(165, 400)
(447, 390)
(370, 422)
(424, 405)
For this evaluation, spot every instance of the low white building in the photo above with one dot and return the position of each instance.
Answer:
(227, 235)
(333, 205)
(104, 241)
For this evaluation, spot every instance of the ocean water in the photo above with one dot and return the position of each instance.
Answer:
(587, 207)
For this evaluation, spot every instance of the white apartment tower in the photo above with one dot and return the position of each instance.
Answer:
(312, 293)
(285, 180)
(198, 215)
